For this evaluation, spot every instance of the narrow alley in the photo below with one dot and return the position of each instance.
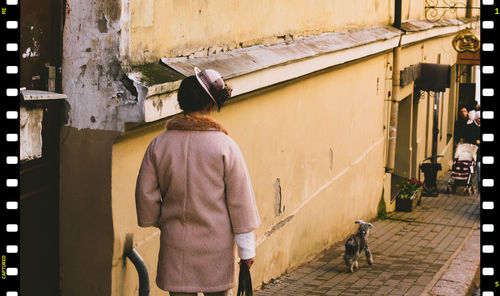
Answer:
(429, 251)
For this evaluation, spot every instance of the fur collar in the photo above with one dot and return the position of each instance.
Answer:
(190, 123)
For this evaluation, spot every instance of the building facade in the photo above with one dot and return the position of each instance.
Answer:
(320, 112)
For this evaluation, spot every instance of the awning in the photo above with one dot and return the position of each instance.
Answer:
(409, 75)
(433, 77)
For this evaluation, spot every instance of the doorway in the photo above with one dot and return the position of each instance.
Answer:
(402, 165)
(404, 139)
(41, 56)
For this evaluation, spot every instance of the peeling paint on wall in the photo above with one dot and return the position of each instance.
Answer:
(29, 53)
(125, 33)
(30, 133)
(278, 225)
(331, 159)
(31, 34)
(102, 24)
(278, 202)
(95, 67)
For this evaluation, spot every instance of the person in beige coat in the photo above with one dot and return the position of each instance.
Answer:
(194, 186)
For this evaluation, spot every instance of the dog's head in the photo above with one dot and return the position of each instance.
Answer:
(364, 226)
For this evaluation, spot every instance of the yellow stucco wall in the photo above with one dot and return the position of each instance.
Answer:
(126, 161)
(169, 28)
(322, 135)
(284, 132)
(412, 10)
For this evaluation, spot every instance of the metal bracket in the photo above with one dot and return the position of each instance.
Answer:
(435, 10)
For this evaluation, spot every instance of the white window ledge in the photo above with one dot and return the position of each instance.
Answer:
(40, 95)
(416, 31)
(257, 67)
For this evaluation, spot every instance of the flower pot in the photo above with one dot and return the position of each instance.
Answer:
(407, 204)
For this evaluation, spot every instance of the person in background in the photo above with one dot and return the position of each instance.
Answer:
(472, 131)
(473, 136)
(477, 107)
(194, 186)
(461, 125)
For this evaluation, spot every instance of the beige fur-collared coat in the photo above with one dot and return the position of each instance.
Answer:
(194, 185)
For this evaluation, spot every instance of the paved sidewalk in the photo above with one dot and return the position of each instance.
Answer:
(414, 254)
(461, 277)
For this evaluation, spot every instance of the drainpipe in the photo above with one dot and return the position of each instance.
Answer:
(397, 14)
(393, 125)
(141, 270)
(468, 10)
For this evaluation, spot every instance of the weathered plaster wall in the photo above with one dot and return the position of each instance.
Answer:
(321, 136)
(199, 28)
(101, 100)
(173, 28)
(412, 10)
(30, 133)
(100, 95)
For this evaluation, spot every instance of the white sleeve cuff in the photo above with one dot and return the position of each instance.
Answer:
(246, 245)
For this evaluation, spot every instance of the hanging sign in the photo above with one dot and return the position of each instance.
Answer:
(467, 45)
(469, 58)
(466, 41)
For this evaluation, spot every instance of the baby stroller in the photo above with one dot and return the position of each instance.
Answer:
(464, 163)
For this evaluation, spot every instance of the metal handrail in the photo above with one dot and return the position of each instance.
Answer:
(142, 270)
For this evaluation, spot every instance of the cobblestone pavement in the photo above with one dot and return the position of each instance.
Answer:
(411, 252)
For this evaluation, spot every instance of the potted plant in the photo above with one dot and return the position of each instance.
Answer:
(410, 192)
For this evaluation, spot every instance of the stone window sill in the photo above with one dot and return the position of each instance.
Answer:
(252, 68)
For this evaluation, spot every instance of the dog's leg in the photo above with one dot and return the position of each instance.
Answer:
(351, 267)
(368, 255)
(356, 263)
(348, 263)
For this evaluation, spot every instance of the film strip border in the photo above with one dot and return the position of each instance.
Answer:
(9, 159)
(490, 282)
(9, 114)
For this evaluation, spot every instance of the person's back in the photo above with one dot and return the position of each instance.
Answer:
(194, 186)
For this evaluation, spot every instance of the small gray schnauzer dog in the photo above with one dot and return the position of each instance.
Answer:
(355, 244)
